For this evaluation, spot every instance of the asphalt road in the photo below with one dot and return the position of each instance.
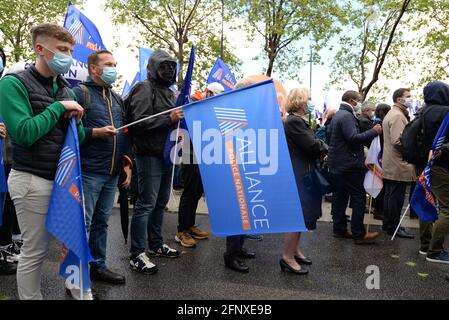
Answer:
(338, 271)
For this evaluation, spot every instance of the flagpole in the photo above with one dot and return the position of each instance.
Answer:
(400, 222)
(174, 161)
(148, 118)
(371, 200)
(81, 280)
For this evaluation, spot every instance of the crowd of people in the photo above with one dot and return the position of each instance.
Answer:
(36, 103)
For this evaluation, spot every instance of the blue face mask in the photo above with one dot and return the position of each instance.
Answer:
(109, 75)
(310, 107)
(60, 64)
(2, 67)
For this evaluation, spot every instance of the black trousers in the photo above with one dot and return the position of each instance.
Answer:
(193, 191)
(234, 246)
(393, 203)
(10, 225)
(348, 184)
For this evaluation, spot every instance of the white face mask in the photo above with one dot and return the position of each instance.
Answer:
(408, 102)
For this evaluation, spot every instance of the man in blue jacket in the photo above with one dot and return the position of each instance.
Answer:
(102, 155)
(346, 162)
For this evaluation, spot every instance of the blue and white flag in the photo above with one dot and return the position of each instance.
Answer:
(374, 176)
(245, 163)
(423, 201)
(65, 220)
(183, 99)
(126, 90)
(87, 40)
(3, 184)
(221, 73)
(84, 32)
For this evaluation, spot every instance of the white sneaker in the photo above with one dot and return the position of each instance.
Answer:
(75, 293)
(423, 253)
(11, 253)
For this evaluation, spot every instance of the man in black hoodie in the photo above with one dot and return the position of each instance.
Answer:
(436, 97)
(148, 98)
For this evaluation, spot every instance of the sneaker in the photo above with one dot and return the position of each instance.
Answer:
(256, 237)
(185, 239)
(423, 253)
(143, 264)
(198, 234)
(11, 253)
(75, 294)
(18, 243)
(165, 252)
(442, 257)
(6, 268)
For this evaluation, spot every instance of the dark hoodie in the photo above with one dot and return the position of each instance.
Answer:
(436, 97)
(150, 97)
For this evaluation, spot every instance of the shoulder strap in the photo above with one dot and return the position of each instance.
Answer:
(86, 96)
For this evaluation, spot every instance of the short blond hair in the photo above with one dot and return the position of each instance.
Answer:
(297, 99)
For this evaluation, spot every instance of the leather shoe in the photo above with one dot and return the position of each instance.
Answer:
(368, 238)
(305, 261)
(236, 265)
(345, 235)
(106, 276)
(286, 267)
(402, 234)
(246, 254)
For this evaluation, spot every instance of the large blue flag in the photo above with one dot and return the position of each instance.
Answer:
(144, 56)
(423, 201)
(126, 90)
(3, 185)
(245, 163)
(221, 73)
(183, 99)
(65, 220)
(84, 32)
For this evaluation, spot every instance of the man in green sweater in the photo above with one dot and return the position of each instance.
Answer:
(36, 105)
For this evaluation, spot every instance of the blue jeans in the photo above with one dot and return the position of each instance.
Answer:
(154, 178)
(99, 194)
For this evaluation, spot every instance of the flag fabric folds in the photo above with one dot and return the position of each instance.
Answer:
(423, 201)
(245, 163)
(374, 177)
(84, 32)
(183, 99)
(221, 73)
(65, 220)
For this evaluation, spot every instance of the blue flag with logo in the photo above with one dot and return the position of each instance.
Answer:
(245, 163)
(423, 201)
(221, 73)
(65, 220)
(84, 32)
(3, 185)
(183, 99)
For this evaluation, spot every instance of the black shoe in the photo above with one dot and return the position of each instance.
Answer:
(106, 276)
(286, 267)
(256, 237)
(7, 268)
(246, 254)
(402, 234)
(236, 265)
(305, 261)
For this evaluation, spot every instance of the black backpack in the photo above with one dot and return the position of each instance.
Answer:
(414, 149)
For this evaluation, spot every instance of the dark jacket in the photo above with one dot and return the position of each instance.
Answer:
(366, 124)
(305, 151)
(347, 141)
(436, 97)
(148, 98)
(102, 156)
(41, 159)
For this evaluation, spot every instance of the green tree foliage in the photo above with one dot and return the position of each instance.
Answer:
(283, 23)
(374, 36)
(174, 25)
(19, 16)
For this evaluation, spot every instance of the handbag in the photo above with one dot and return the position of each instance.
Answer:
(315, 182)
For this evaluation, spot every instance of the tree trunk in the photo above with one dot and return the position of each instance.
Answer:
(181, 63)
(270, 65)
